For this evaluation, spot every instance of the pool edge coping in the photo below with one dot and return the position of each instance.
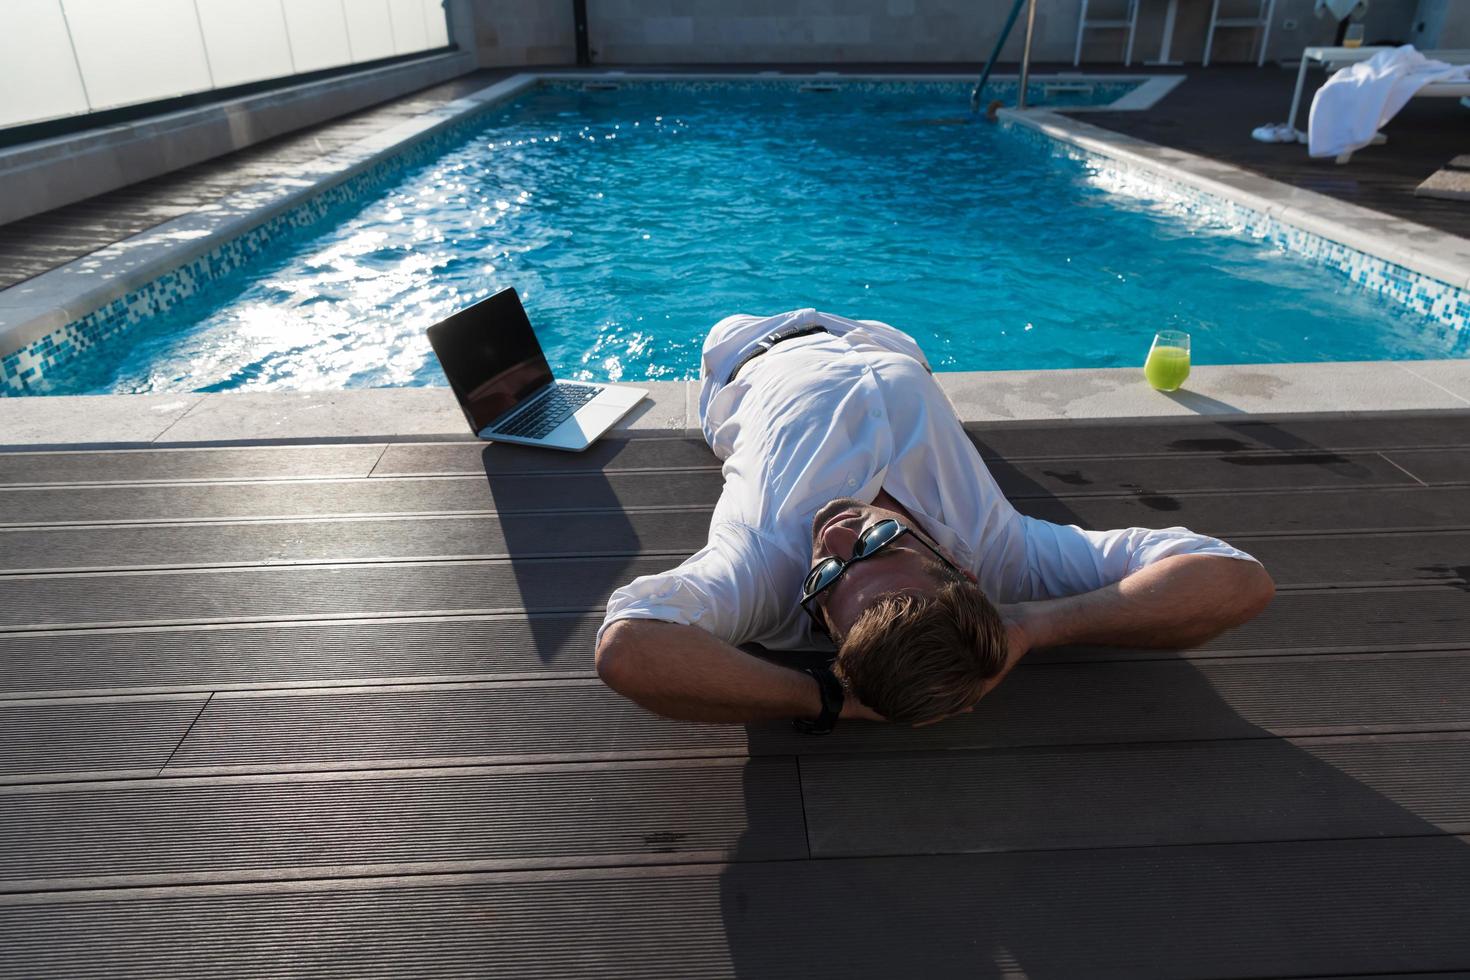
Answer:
(1428, 251)
(380, 415)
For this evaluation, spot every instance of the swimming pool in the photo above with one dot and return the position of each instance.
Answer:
(631, 218)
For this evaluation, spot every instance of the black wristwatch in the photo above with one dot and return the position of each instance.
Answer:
(832, 698)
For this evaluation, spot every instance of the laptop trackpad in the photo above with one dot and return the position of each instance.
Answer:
(587, 424)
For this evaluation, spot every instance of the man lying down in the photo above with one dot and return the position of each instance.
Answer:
(856, 511)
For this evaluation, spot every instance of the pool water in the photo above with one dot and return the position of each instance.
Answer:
(632, 220)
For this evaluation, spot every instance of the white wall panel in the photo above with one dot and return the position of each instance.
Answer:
(436, 23)
(318, 31)
(245, 40)
(407, 17)
(136, 52)
(369, 29)
(38, 75)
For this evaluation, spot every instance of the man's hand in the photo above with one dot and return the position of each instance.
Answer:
(1019, 639)
(852, 708)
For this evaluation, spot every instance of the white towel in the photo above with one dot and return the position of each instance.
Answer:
(1355, 102)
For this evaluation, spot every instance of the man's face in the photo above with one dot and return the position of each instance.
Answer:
(903, 566)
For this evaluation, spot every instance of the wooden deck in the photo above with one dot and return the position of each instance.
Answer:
(1214, 111)
(330, 710)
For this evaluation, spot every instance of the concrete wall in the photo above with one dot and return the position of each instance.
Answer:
(1445, 22)
(521, 32)
(837, 31)
(733, 31)
(1386, 19)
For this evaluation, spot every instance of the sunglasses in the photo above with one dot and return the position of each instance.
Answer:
(873, 540)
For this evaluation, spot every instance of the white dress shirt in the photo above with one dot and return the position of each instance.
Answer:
(845, 414)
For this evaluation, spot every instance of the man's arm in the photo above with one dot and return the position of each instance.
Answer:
(684, 672)
(1176, 602)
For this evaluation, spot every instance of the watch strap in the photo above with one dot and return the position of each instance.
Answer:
(832, 698)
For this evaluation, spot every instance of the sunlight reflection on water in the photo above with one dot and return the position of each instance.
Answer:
(631, 221)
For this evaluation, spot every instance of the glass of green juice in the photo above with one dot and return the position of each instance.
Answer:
(1168, 360)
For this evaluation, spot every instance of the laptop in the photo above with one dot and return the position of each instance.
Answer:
(500, 376)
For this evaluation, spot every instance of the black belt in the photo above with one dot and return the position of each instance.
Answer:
(771, 340)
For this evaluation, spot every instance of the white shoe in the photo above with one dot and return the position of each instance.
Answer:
(1277, 133)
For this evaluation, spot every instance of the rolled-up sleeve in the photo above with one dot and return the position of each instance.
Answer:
(1064, 559)
(723, 588)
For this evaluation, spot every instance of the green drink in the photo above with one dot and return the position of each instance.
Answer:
(1168, 360)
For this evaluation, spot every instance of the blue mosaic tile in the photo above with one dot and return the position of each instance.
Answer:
(1440, 301)
(1102, 93)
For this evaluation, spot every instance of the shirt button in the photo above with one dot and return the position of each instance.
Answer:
(876, 414)
(851, 483)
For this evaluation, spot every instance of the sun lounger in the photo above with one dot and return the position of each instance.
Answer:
(1334, 59)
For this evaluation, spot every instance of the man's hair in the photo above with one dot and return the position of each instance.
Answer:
(914, 658)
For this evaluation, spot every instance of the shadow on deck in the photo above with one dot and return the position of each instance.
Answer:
(330, 709)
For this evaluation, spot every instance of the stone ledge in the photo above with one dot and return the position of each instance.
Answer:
(672, 407)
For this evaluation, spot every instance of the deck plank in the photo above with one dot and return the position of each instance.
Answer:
(348, 497)
(437, 648)
(673, 531)
(1439, 467)
(1137, 795)
(167, 465)
(1060, 478)
(182, 465)
(994, 440)
(680, 532)
(1268, 512)
(1300, 909)
(173, 831)
(1061, 704)
(605, 455)
(487, 648)
(128, 736)
(1221, 435)
(294, 592)
(494, 586)
(1350, 559)
(1074, 477)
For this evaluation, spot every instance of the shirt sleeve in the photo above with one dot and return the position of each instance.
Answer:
(894, 339)
(1064, 559)
(723, 588)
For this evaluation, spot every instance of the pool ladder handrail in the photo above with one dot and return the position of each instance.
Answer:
(1005, 34)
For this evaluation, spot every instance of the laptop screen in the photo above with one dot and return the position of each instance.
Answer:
(490, 355)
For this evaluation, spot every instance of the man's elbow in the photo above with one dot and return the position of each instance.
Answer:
(617, 658)
(1257, 592)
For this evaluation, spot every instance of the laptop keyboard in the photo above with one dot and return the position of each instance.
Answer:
(549, 409)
